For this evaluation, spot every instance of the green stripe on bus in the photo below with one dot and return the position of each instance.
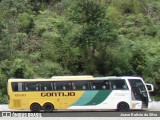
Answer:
(99, 97)
(85, 98)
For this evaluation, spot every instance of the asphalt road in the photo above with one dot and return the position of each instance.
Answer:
(154, 106)
(154, 111)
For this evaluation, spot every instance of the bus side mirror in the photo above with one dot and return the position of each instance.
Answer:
(150, 87)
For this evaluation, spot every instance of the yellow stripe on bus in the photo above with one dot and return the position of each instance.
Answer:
(61, 99)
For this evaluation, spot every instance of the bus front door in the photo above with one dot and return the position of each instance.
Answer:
(139, 92)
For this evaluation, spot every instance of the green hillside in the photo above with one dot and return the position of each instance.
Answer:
(43, 38)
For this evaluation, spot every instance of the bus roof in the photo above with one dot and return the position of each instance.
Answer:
(115, 77)
(55, 78)
(72, 78)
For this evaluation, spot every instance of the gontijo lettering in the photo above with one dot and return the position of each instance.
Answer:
(54, 94)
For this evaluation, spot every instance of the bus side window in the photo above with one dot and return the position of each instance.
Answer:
(83, 87)
(94, 87)
(69, 86)
(26, 89)
(36, 88)
(17, 86)
(114, 87)
(31, 86)
(74, 87)
(45, 88)
(63, 85)
(119, 84)
(107, 85)
(80, 85)
(103, 87)
(98, 85)
(64, 88)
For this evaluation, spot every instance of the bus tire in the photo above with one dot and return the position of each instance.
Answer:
(35, 107)
(122, 106)
(48, 107)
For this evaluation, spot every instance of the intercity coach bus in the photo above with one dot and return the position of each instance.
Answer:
(78, 93)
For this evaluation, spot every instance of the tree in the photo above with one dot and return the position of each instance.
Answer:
(96, 33)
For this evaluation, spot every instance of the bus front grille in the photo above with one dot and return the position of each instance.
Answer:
(16, 103)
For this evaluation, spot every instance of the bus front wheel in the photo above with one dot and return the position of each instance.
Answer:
(35, 107)
(122, 106)
(48, 107)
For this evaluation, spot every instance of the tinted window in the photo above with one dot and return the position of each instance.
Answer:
(46, 86)
(32, 86)
(63, 86)
(80, 85)
(17, 86)
(100, 85)
(118, 84)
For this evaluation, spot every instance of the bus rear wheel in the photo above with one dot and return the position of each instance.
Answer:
(48, 107)
(122, 106)
(35, 107)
